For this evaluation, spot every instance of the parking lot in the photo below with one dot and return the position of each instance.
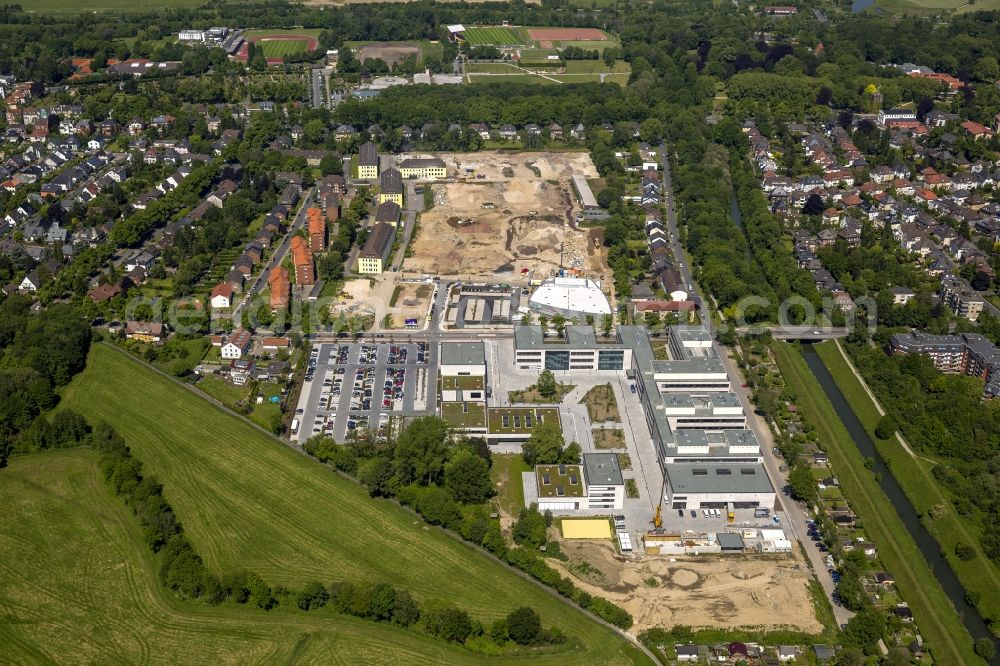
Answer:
(351, 387)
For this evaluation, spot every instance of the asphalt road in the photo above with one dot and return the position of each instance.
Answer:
(318, 92)
(276, 257)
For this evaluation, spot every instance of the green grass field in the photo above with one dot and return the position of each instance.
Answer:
(522, 77)
(506, 476)
(249, 501)
(923, 492)
(115, 6)
(936, 617)
(79, 585)
(282, 47)
(919, 7)
(494, 36)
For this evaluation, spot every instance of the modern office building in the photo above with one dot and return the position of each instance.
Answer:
(577, 350)
(597, 483)
(718, 486)
(711, 412)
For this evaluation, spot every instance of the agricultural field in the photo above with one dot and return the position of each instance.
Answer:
(494, 36)
(116, 6)
(248, 501)
(80, 586)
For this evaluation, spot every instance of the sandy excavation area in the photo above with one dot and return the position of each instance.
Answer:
(411, 303)
(696, 591)
(506, 213)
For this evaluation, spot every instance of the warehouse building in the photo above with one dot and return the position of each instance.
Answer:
(718, 486)
(588, 202)
(374, 255)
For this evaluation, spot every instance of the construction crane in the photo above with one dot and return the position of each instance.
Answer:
(657, 519)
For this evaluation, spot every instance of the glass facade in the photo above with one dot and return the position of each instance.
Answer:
(557, 360)
(611, 359)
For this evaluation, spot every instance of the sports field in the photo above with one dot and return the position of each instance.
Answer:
(80, 587)
(279, 48)
(492, 36)
(249, 501)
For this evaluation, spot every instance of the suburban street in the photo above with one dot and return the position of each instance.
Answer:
(276, 257)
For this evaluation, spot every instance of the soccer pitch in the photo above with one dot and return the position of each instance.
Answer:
(492, 36)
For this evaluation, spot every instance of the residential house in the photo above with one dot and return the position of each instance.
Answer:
(144, 331)
(222, 295)
(237, 345)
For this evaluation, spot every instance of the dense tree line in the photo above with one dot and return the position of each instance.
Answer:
(944, 415)
(445, 478)
(38, 354)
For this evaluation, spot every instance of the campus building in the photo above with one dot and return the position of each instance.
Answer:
(390, 187)
(424, 168)
(577, 350)
(463, 372)
(368, 161)
(374, 255)
(597, 483)
(717, 486)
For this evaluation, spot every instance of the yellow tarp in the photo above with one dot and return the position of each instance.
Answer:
(598, 528)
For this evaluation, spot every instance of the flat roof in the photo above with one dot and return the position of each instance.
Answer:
(587, 199)
(422, 163)
(463, 353)
(571, 295)
(716, 478)
(689, 365)
(601, 469)
(559, 480)
(576, 337)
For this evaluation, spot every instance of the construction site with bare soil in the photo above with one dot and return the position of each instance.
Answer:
(507, 217)
(706, 591)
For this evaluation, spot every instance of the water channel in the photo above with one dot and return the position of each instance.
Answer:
(925, 542)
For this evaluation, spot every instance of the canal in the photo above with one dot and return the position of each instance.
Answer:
(925, 542)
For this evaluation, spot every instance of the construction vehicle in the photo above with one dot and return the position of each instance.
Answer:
(731, 517)
(657, 519)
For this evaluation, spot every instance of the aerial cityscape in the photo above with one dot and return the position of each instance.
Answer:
(569, 331)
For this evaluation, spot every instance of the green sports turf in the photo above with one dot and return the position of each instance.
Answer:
(249, 501)
(79, 586)
(493, 36)
(282, 47)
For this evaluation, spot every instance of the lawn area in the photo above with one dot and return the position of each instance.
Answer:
(522, 77)
(221, 390)
(495, 36)
(248, 501)
(279, 48)
(70, 7)
(939, 624)
(601, 404)
(80, 586)
(179, 357)
(506, 476)
(608, 438)
(620, 79)
(464, 414)
(510, 420)
(492, 68)
(922, 490)
(307, 32)
(925, 7)
(266, 412)
(587, 66)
